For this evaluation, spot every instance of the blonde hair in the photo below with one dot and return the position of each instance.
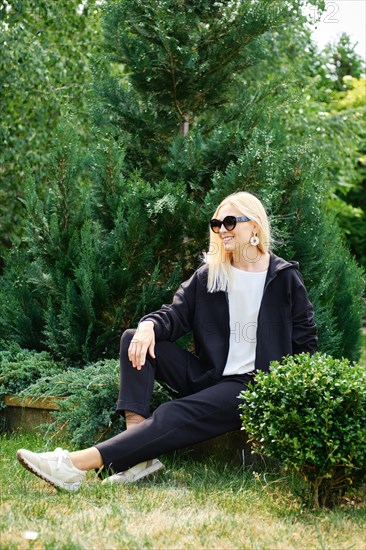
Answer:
(217, 258)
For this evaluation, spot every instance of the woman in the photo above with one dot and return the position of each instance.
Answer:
(245, 307)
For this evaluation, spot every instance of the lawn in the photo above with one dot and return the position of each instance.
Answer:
(189, 505)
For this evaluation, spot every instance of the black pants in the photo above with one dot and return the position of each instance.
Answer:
(205, 407)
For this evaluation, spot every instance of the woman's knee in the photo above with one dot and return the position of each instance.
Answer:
(126, 340)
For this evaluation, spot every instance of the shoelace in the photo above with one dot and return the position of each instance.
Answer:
(60, 454)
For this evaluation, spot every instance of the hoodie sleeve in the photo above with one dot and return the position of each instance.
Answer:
(176, 319)
(304, 333)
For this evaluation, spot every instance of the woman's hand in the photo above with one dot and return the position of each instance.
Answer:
(142, 342)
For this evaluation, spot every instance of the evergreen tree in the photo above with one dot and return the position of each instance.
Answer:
(85, 268)
(46, 48)
(180, 122)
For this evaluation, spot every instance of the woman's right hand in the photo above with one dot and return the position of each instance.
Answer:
(142, 342)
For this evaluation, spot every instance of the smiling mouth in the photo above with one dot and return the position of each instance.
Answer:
(227, 239)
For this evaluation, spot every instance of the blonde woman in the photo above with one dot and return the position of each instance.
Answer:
(245, 307)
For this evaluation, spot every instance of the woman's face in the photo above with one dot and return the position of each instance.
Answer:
(238, 238)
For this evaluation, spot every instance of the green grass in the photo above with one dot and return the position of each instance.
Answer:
(188, 505)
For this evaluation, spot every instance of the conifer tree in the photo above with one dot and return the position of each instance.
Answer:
(86, 267)
(179, 126)
(44, 65)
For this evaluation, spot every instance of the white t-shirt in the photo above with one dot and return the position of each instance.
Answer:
(245, 299)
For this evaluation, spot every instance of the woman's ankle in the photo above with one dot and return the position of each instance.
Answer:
(133, 419)
(87, 459)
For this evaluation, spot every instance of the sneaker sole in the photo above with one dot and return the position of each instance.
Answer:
(31, 468)
(148, 471)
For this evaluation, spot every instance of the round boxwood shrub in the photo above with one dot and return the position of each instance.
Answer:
(309, 413)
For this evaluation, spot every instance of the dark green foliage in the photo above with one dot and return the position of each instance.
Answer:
(87, 414)
(309, 412)
(189, 50)
(44, 64)
(335, 283)
(118, 228)
(89, 263)
(176, 62)
(20, 368)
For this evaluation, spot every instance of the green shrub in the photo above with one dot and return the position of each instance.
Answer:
(88, 412)
(309, 412)
(21, 367)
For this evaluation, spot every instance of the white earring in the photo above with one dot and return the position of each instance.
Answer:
(254, 240)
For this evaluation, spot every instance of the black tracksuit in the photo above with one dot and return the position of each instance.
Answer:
(207, 403)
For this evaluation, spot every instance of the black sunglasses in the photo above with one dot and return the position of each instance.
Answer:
(229, 223)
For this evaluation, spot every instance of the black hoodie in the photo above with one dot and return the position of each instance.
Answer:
(285, 321)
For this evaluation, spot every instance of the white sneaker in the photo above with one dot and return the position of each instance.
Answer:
(55, 468)
(136, 472)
